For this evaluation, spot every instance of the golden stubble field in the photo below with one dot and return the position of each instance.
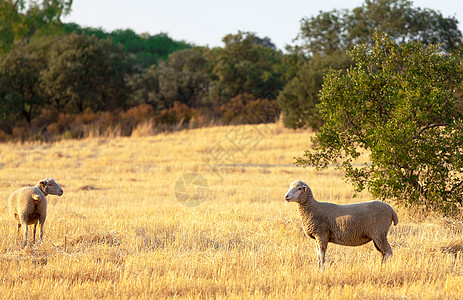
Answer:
(129, 224)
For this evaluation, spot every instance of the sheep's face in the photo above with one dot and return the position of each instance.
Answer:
(50, 187)
(297, 191)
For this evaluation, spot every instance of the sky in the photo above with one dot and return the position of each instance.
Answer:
(206, 22)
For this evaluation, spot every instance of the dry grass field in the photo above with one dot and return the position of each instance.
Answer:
(200, 214)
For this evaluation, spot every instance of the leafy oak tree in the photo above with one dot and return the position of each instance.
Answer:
(19, 87)
(147, 50)
(85, 72)
(20, 20)
(337, 30)
(182, 77)
(299, 98)
(246, 65)
(326, 36)
(402, 104)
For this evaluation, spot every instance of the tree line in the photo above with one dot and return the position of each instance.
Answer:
(55, 77)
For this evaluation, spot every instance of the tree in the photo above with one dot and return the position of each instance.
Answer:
(85, 72)
(402, 104)
(19, 88)
(342, 29)
(182, 77)
(21, 95)
(327, 36)
(188, 71)
(403, 23)
(246, 65)
(20, 20)
(325, 33)
(147, 50)
(299, 97)
(9, 15)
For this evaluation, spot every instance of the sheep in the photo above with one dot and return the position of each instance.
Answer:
(28, 205)
(349, 225)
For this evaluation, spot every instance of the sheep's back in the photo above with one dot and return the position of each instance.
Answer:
(356, 224)
(21, 202)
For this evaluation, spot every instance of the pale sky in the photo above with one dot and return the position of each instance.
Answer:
(206, 22)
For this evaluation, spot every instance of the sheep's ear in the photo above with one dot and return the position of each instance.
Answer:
(305, 189)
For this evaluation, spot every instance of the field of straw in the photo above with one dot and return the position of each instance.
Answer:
(200, 214)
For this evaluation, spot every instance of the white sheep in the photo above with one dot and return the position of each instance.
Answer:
(28, 205)
(350, 224)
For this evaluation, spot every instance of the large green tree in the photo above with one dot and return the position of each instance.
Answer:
(402, 104)
(299, 97)
(85, 72)
(19, 88)
(182, 77)
(20, 20)
(246, 65)
(342, 29)
(328, 35)
(147, 50)
(21, 96)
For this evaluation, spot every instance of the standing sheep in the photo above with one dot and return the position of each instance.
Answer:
(350, 225)
(28, 205)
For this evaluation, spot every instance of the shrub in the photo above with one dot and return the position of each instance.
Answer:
(247, 109)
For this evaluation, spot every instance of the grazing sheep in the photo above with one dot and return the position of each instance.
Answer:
(350, 225)
(28, 205)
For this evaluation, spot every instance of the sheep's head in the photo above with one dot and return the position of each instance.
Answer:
(50, 187)
(298, 192)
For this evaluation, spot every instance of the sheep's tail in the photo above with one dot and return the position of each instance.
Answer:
(395, 218)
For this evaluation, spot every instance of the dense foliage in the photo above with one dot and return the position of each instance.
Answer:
(64, 74)
(326, 37)
(299, 98)
(337, 30)
(64, 77)
(402, 104)
(50, 72)
(147, 50)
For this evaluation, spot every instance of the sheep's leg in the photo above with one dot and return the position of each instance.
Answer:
(25, 235)
(382, 245)
(322, 244)
(42, 222)
(19, 228)
(35, 229)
